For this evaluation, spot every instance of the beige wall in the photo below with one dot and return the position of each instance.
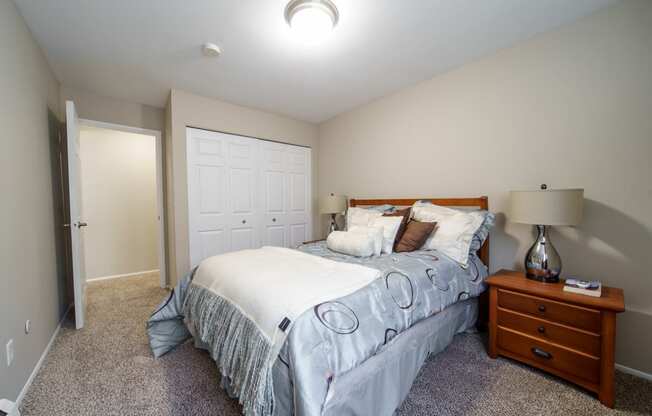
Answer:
(119, 202)
(186, 109)
(29, 285)
(110, 110)
(570, 108)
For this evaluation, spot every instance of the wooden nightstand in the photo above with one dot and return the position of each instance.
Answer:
(571, 336)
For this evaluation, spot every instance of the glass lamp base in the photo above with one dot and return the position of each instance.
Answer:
(542, 262)
(544, 279)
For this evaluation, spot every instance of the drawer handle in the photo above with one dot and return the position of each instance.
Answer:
(541, 329)
(542, 308)
(541, 353)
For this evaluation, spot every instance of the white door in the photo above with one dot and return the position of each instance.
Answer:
(274, 183)
(244, 193)
(222, 194)
(244, 224)
(76, 219)
(298, 196)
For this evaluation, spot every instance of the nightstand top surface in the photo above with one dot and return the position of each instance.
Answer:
(612, 298)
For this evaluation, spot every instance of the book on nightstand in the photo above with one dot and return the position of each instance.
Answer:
(583, 287)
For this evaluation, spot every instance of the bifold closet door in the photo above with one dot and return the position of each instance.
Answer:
(274, 194)
(299, 195)
(244, 193)
(285, 183)
(222, 180)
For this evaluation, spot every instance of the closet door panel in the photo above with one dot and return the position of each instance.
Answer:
(275, 236)
(212, 242)
(244, 193)
(242, 165)
(298, 198)
(298, 234)
(207, 189)
(273, 167)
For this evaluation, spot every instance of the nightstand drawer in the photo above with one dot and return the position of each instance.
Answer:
(574, 316)
(549, 356)
(582, 341)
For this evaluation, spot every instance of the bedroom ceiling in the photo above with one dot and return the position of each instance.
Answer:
(139, 50)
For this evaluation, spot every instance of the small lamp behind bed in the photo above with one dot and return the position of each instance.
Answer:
(333, 205)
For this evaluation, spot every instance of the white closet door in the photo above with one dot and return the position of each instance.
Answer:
(298, 196)
(244, 224)
(274, 194)
(244, 192)
(221, 193)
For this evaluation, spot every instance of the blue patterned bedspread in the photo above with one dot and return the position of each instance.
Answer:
(336, 336)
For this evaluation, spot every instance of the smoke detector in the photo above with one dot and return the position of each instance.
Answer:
(211, 50)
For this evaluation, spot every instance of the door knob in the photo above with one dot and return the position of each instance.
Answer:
(273, 219)
(81, 224)
(244, 221)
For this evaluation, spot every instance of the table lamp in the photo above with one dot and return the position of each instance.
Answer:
(543, 208)
(333, 205)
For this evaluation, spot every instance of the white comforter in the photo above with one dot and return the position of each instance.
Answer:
(271, 284)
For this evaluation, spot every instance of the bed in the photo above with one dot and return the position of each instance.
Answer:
(353, 355)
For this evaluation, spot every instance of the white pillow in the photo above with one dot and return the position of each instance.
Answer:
(360, 217)
(454, 231)
(390, 226)
(353, 244)
(375, 233)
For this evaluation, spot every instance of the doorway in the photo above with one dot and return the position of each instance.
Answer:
(122, 201)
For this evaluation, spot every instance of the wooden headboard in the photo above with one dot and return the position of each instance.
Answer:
(480, 202)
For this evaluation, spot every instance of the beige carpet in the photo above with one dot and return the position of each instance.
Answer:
(107, 369)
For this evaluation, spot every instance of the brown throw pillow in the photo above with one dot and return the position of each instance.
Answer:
(416, 233)
(405, 213)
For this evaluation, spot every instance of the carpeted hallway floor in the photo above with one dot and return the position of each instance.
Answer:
(107, 369)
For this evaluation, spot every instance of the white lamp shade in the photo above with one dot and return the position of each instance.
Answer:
(332, 204)
(546, 207)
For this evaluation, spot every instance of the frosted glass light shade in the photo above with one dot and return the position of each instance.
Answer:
(546, 207)
(332, 204)
(311, 20)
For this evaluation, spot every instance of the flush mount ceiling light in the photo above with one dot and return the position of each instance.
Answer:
(311, 20)
(211, 50)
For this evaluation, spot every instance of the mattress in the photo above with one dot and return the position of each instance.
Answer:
(415, 308)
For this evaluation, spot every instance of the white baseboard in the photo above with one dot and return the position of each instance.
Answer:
(39, 363)
(634, 372)
(117, 276)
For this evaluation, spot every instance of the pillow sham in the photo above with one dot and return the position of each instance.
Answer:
(454, 232)
(482, 233)
(416, 233)
(390, 226)
(353, 244)
(360, 217)
(375, 233)
(405, 217)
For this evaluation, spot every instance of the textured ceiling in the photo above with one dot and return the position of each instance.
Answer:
(139, 50)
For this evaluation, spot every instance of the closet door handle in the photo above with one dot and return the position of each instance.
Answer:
(244, 221)
(273, 219)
